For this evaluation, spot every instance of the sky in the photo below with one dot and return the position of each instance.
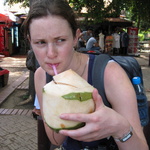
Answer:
(2, 4)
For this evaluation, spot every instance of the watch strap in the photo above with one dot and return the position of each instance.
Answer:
(125, 136)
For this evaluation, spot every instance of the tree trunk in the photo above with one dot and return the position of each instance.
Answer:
(138, 22)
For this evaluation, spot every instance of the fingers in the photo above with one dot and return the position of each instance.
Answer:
(97, 99)
(79, 137)
(79, 134)
(75, 117)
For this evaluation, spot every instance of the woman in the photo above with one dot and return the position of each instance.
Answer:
(52, 31)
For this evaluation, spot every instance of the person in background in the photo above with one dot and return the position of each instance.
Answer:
(92, 43)
(108, 43)
(53, 44)
(124, 42)
(101, 41)
(116, 41)
(84, 37)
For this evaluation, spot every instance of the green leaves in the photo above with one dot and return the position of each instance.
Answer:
(25, 3)
(97, 10)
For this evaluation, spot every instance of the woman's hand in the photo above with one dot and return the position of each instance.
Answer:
(100, 124)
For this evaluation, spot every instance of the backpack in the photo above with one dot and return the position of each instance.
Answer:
(131, 67)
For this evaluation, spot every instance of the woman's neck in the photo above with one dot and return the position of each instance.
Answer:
(81, 64)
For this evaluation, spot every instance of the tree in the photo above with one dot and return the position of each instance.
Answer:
(96, 10)
(139, 12)
(25, 3)
(136, 10)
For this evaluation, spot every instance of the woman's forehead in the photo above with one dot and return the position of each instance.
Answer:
(54, 25)
(50, 20)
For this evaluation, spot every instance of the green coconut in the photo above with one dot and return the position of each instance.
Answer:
(67, 93)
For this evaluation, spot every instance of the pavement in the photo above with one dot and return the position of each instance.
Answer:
(18, 129)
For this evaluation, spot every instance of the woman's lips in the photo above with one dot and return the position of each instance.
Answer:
(53, 67)
(54, 64)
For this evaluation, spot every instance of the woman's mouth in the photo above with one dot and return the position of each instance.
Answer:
(55, 64)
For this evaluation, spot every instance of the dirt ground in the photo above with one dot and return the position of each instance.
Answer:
(16, 67)
(16, 98)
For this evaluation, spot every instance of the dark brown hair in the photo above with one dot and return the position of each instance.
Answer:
(43, 8)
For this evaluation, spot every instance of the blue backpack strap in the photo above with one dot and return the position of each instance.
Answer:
(98, 75)
(48, 78)
(90, 68)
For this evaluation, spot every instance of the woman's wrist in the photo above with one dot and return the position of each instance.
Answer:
(125, 136)
(123, 128)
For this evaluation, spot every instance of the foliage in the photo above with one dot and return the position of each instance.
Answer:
(136, 10)
(25, 3)
(139, 12)
(141, 36)
(96, 9)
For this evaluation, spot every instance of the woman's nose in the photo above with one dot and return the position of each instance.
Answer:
(51, 50)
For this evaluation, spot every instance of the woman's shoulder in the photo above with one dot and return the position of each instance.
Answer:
(39, 70)
(116, 80)
(114, 69)
(40, 75)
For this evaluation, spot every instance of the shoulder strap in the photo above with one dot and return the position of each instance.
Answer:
(98, 75)
(90, 68)
(48, 78)
(130, 65)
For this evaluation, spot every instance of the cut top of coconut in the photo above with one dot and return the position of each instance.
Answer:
(67, 79)
(71, 78)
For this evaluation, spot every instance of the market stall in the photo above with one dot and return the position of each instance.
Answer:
(5, 35)
(133, 41)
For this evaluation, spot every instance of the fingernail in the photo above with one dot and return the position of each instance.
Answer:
(62, 115)
(61, 131)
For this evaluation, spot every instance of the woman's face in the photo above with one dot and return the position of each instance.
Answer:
(52, 41)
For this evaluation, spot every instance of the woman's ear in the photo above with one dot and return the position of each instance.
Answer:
(78, 32)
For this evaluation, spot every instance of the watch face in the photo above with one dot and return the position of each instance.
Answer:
(126, 137)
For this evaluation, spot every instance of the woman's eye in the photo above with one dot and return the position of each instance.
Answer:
(40, 42)
(60, 40)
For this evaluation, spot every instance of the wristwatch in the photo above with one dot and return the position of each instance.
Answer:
(125, 136)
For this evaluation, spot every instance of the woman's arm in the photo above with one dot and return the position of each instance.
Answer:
(40, 81)
(116, 122)
(121, 95)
